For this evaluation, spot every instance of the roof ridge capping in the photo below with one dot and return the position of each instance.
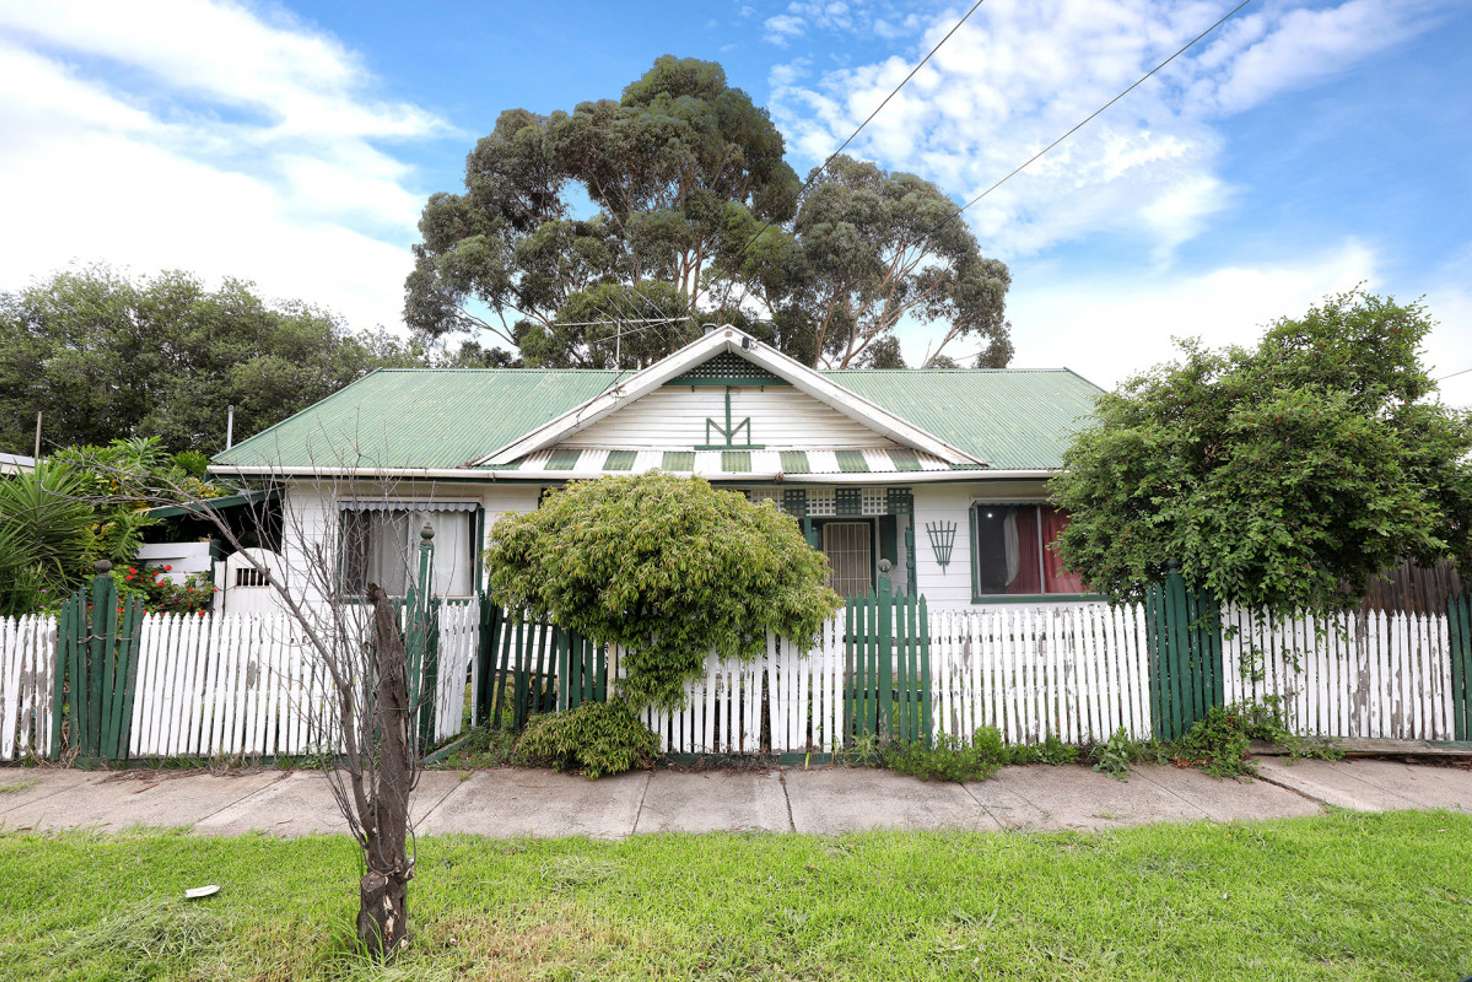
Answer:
(727, 337)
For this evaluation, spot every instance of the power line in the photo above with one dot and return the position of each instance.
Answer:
(1091, 116)
(1453, 375)
(870, 118)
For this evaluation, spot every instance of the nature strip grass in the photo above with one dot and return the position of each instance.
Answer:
(1344, 895)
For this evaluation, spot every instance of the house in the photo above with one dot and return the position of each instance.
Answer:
(935, 476)
(12, 464)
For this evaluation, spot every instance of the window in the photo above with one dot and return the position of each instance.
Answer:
(849, 547)
(1012, 555)
(380, 544)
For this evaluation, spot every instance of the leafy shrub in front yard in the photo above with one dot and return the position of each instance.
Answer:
(669, 568)
(596, 739)
(159, 593)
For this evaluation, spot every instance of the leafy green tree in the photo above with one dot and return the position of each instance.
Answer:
(666, 167)
(668, 567)
(103, 357)
(867, 250)
(1286, 475)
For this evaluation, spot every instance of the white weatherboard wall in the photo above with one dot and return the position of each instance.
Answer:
(311, 514)
(674, 416)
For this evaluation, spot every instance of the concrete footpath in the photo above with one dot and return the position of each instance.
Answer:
(513, 802)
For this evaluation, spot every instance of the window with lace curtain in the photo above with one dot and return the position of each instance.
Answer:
(380, 544)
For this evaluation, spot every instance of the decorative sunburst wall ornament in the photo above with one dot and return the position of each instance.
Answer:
(942, 540)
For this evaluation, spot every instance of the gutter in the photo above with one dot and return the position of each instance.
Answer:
(482, 474)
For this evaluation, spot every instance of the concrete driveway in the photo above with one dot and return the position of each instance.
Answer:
(514, 802)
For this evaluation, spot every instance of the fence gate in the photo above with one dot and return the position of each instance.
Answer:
(96, 671)
(886, 689)
(1183, 629)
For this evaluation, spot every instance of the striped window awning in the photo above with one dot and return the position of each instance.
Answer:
(575, 462)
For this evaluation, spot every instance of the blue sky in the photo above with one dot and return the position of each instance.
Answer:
(1310, 145)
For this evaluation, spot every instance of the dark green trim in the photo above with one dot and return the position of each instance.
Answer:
(746, 382)
(1035, 598)
(620, 460)
(210, 504)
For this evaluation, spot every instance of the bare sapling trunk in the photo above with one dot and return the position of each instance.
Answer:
(383, 913)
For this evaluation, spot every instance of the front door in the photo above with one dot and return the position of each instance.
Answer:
(849, 547)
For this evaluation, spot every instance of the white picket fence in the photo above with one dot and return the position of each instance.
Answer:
(27, 652)
(1360, 675)
(459, 638)
(249, 685)
(228, 685)
(1074, 671)
(802, 685)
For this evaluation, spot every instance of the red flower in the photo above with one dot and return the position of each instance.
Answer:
(201, 613)
(168, 569)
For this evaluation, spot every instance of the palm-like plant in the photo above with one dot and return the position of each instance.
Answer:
(47, 539)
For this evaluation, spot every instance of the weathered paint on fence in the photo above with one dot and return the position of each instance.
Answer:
(1075, 671)
(1362, 675)
(27, 655)
(801, 685)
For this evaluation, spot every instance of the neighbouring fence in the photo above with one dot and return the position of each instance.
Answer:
(136, 685)
(1360, 675)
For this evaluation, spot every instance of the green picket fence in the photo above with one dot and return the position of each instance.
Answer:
(1183, 628)
(517, 668)
(1459, 618)
(96, 671)
(887, 690)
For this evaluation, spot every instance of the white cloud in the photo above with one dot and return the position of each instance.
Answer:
(783, 28)
(203, 136)
(1019, 75)
(1107, 328)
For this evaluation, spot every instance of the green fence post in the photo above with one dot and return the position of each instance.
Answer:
(420, 624)
(925, 690)
(1183, 639)
(885, 653)
(1459, 618)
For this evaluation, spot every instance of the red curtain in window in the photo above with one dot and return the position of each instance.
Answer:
(1056, 579)
(1028, 579)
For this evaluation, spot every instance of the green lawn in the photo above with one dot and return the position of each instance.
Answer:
(1343, 896)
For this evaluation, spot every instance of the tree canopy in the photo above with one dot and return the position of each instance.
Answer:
(1287, 475)
(105, 357)
(607, 236)
(663, 165)
(867, 249)
(668, 567)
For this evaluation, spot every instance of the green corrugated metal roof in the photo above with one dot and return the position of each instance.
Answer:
(419, 417)
(429, 417)
(1013, 418)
